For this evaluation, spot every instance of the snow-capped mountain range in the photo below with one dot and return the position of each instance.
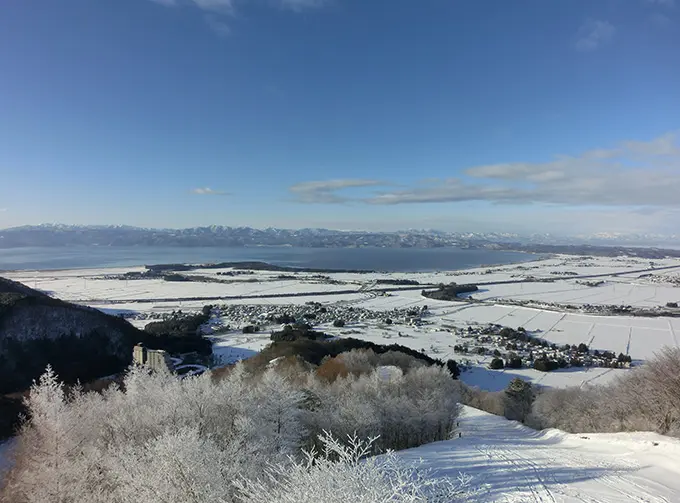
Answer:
(48, 235)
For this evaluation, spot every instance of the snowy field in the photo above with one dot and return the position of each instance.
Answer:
(626, 281)
(613, 291)
(507, 462)
(514, 464)
(654, 282)
(77, 288)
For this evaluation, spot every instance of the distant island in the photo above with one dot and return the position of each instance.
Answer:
(52, 235)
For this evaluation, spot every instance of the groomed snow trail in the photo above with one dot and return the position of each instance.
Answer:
(511, 463)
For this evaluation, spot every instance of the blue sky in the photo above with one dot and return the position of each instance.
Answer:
(490, 115)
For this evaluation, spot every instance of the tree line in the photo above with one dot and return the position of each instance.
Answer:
(646, 398)
(244, 435)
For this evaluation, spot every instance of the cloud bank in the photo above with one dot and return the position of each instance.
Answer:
(632, 174)
(327, 191)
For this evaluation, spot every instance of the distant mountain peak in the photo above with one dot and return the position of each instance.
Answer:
(54, 234)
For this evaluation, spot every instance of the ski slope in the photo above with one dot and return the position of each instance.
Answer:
(510, 463)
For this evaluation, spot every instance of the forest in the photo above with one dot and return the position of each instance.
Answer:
(244, 435)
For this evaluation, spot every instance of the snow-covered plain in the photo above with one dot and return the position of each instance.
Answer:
(508, 462)
(511, 463)
(627, 281)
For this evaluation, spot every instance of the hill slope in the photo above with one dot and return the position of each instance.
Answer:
(513, 463)
(79, 342)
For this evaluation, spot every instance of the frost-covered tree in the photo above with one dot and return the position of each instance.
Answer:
(646, 398)
(414, 408)
(162, 439)
(343, 473)
(272, 420)
(50, 451)
(176, 467)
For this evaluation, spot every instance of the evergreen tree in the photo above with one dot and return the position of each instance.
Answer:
(519, 397)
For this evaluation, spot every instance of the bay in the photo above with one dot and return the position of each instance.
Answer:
(379, 259)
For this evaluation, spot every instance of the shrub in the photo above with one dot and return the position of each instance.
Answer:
(342, 473)
(370, 405)
(545, 365)
(365, 361)
(250, 329)
(514, 362)
(332, 369)
(488, 401)
(339, 323)
(299, 331)
(496, 364)
(508, 333)
(284, 319)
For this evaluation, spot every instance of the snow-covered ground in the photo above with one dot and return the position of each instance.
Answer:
(614, 291)
(76, 288)
(514, 464)
(508, 462)
(627, 281)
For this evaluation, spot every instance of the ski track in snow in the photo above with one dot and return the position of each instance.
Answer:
(672, 330)
(510, 463)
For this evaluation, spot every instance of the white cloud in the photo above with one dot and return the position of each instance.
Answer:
(207, 191)
(326, 191)
(593, 34)
(218, 10)
(221, 6)
(633, 174)
(217, 25)
(299, 5)
(228, 7)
